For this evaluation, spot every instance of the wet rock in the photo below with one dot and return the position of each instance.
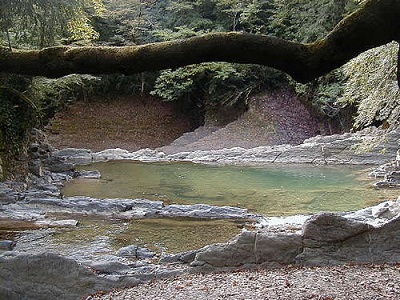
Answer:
(98, 206)
(204, 211)
(7, 245)
(89, 174)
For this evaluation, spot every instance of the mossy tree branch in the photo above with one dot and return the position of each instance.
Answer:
(377, 22)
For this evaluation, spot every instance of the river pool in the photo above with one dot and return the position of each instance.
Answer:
(272, 190)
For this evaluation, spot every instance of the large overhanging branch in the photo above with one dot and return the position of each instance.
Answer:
(376, 23)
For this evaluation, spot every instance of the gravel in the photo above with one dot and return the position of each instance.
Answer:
(324, 283)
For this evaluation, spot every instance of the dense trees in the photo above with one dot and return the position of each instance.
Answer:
(41, 23)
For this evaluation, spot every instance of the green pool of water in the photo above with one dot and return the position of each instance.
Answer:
(271, 190)
(172, 235)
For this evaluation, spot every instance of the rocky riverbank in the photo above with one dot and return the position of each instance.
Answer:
(30, 271)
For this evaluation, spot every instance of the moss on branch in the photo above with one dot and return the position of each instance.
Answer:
(377, 22)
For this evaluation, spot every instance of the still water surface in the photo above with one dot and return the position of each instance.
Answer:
(272, 190)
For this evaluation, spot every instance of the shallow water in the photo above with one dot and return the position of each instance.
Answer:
(271, 190)
(172, 235)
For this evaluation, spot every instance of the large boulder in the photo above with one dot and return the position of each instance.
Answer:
(252, 248)
(49, 276)
(371, 235)
(344, 241)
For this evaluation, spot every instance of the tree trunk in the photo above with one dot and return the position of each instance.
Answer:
(376, 23)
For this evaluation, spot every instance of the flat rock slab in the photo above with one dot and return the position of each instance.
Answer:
(365, 147)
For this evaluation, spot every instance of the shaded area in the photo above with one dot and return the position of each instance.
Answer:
(130, 123)
(135, 123)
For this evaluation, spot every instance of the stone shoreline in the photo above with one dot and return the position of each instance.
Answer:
(366, 147)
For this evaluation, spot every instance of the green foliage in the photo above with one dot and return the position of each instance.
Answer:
(305, 20)
(372, 85)
(18, 114)
(308, 21)
(324, 92)
(52, 95)
(127, 22)
(125, 85)
(204, 78)
(42, 23)
(215, 84)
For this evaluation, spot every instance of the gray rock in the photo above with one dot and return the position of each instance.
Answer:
(237, 252)
(89, 174)
(277, 248)
(369, 146)
(144, 253)
(58, 164)
(261, 247)
(74, 156)
(376, 245)
(98, 206)
(57, 223)
(330, 228)
(133, 251)
(184, 257)
(110, 267)
(204, 211)
(48, 276)
(8, 195)
(370, 235)
(7, 245)
(128, 251)
(119, 154)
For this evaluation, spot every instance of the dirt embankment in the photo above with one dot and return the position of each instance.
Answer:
(133, 123)
(130, 123)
